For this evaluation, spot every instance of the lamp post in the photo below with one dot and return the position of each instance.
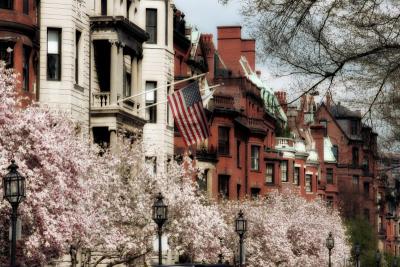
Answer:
(241, 228)
(378, 258)
(14, 193)
(357, 251)
(160, 216)
(330, 243)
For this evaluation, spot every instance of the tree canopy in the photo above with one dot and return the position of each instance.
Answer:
(348, 48)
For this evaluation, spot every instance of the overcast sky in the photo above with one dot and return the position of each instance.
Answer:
(206, 15)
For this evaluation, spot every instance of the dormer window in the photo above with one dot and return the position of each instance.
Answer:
(354, 127)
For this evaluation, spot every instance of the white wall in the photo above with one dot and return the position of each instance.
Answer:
(158, 65)
(63, 95)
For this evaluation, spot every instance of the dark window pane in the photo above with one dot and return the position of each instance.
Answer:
(151, 25)
(104, 7)
(26, 7)
(54, 54)
(77, 50)
(6, 4)
(335, 151)
(329, 176)
(25, 69)
(284, 171)
(308, 183)
(223, 186)
(7, 53)
(355, 156)
(296, 178)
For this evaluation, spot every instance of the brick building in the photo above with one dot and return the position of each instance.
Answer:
(19, 42)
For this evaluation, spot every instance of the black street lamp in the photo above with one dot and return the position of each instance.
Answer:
(357, 252)
(14, 192)
(330, 243)
(378, 258)
(160, 216)
(241, 228)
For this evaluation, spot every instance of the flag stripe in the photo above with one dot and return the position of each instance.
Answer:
(178, 122)
(204, 119)
(199, 119)
(185, 133)
(195, 123)
(184, 117)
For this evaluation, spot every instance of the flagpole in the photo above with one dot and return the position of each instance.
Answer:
(163, 102)
(162, 86)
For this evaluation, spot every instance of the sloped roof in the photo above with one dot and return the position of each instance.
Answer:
(339, 111)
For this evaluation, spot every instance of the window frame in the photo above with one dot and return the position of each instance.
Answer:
(286, 172)
(324, 123)
(355, 156)
(226, 182)
(25, 68)
(238, 158)
(356, 186)
(223, 144)
(255, 159)
(296, 172)
(151, 112)
(78, 38)
(329, 173)
(59, 65)
(9, 57)
(310, 183)
(272, 174)
(152, 30)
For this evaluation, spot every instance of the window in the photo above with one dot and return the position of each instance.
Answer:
(54, 54)
(354, 127)
(269, 173)
(151, 98)
(380, 224)
(335, 151)
(356, 181)
(127, 88)
(324, 123)
(366, 214)
(308, 183)
(151, 25)
(6, 4)
(329, 176)
(203, 181)
(223, 140)
(223, 186)
(296, 176)
(238, 187)
(104, 7)
(355, 156)
(284, 171)
(168, 112)
(77, 50)
(255, 193)
(329, 201)
(152, 164)
(238, 153)
(366, 189)
(255, 158)
(26, 7)
(7, 53)
(25, 68)
(365, 164)
(101, 136)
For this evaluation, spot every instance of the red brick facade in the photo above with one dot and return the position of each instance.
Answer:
(19, 42)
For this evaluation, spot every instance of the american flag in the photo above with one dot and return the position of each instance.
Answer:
(187, 108)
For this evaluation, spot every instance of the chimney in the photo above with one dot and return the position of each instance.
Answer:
(328, 100)
(230, 47)
(249, 51)
(208, 44)
(281, 96)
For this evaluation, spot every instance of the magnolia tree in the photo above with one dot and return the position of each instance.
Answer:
(79, 197)
(286, 230)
